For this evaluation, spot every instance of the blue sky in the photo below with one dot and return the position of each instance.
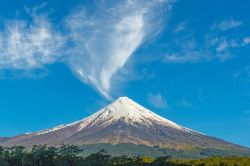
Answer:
(188, 61)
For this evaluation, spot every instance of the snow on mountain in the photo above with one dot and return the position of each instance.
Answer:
(121, 109)
(129, 111)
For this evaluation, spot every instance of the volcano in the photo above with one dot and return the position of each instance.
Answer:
(124, 122)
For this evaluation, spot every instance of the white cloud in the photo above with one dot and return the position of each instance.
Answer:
(246, 40)
(104, 41)
(180, 27)
(157, 100)
(26, 46)
(226, 44)
(188, 53)
(227, 24)
(187, 104)
(242, 75)
(193, 57)
(213, 48)
(222, 46)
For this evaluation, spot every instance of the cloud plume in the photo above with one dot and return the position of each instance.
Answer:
(94, 44)
(103, 41)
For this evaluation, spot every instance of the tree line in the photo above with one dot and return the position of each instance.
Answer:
(70, 155)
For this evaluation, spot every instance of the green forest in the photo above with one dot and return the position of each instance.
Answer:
(70, 155)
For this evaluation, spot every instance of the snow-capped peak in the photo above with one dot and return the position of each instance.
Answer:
(129, 111)
(123, 109)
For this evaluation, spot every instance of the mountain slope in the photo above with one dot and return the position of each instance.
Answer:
(124, 121)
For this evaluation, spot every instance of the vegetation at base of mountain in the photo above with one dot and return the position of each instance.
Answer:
(156, 151)
(69, 155)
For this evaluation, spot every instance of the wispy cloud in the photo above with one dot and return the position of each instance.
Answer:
(28, 46)
(222, 46)
(196, 55)
(227, 24)
(188, 53)
(95, 45)
(226, 44)
(189, 57)
(242, 75)
(105, 40)
(180, 27)
(210, 47)
(157, 100)
(187, 104)
(246, 40)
